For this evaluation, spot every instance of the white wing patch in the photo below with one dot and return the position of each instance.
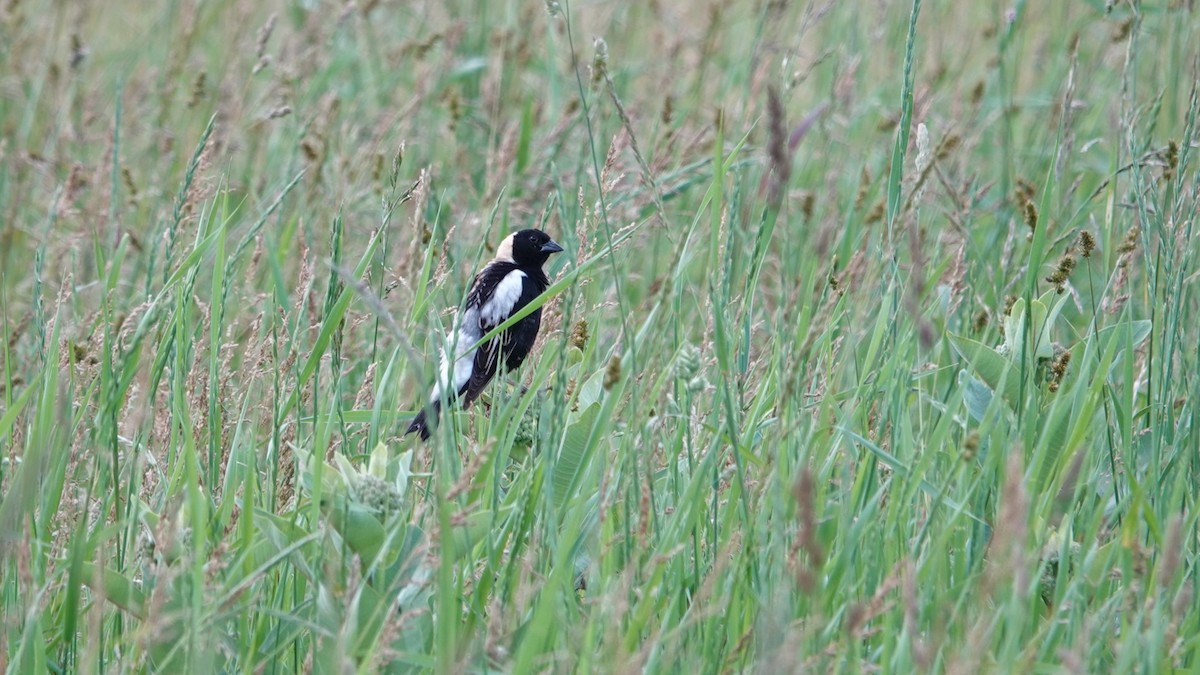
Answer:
(493, 313)
(500, 306)
(468, 335)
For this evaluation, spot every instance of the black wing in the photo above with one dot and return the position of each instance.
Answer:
(513, 344)
(520, 337)
(485, 283)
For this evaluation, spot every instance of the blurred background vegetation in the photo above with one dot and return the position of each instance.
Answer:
(870, 348)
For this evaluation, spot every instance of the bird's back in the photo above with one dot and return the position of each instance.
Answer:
(500, 290)
(505, 286)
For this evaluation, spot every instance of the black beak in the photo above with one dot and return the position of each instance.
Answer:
(551, 247)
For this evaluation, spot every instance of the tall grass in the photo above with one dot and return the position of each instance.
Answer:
(872, 348)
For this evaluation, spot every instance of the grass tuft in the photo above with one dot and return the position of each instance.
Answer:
(827, 381)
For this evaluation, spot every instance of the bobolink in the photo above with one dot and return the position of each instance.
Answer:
(507, 283)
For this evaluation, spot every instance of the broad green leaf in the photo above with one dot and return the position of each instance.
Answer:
(119, 589)
(1136, 331)
(1014, 327)
(464, 537)
(977, 396)
(990, 365)
(363, 532)
(1038, 315)
(574, 449)
(1045, 344)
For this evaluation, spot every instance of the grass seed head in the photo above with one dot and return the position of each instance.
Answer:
(970, 445)
(1031, 217)
(977, 92)
(612, 375)
(807, 203)
(579, 334)
(777, 150)
(1062, 272)
(864, 188)
(1009, 301)
(1087, 244)
(1058, 368)
(599, 60)
(1130, 243)
(687, 364)
(980, 321)
(1172, 161)
(876, 213)
(199, 90)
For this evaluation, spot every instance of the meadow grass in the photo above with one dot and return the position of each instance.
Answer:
(872, 349)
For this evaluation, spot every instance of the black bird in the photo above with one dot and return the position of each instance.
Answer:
(507, 283)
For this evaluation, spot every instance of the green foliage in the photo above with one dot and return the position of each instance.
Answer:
(872, 349)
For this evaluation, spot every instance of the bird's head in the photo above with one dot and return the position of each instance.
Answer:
(527, 247)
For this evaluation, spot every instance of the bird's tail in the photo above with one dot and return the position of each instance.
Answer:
(424, 419)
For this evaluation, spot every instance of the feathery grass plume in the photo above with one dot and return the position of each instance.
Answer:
(923, 161)
(261, 59)
(77, 183)
(190, 193)
(1118, 294)
(806, 569)
(679, 577)
(600, 65)
(861, 614)
(1129, 244)
(1009, 545)
(954, 280)
(780, 159)
(607, 180)
(599, 61)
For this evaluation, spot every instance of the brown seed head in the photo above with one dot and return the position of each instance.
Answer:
(1087, 244)
(579, 334)
(612, 375)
